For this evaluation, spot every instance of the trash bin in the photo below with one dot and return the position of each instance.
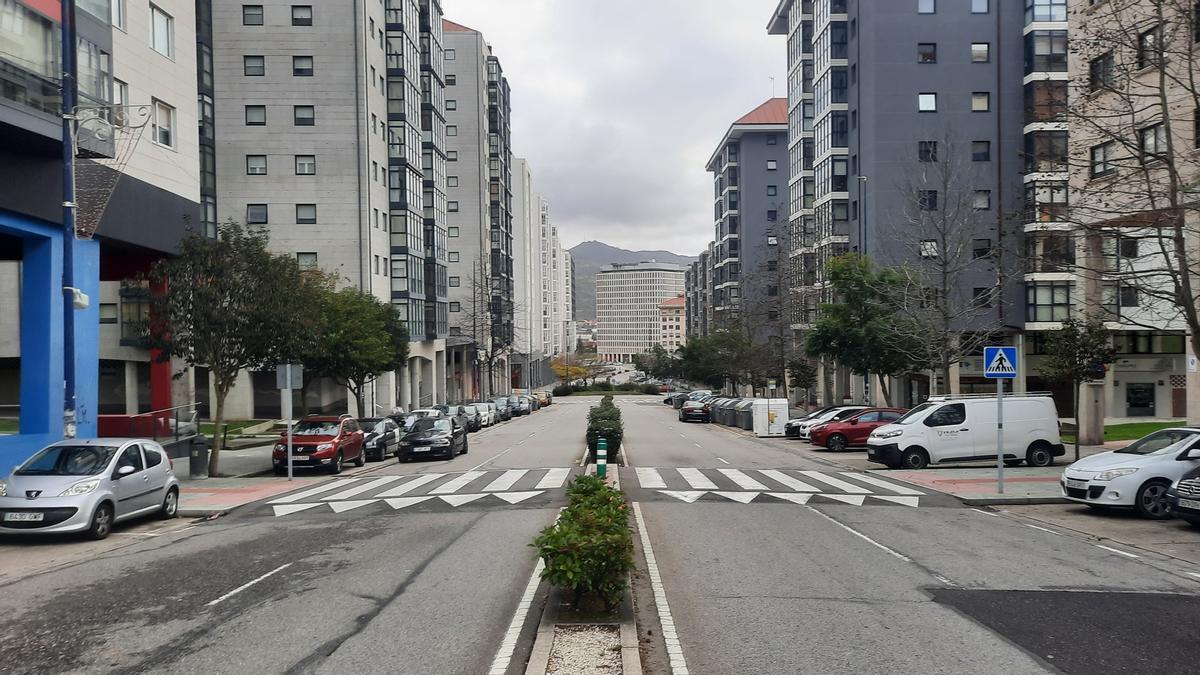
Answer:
(727, 411)
(769, 416)
(745, 415)
(198, 462)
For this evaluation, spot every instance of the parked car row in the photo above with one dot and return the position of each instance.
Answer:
(1158, 476)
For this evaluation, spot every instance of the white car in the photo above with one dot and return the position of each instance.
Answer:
(803, 428)
(1137, 475)
(487, 416)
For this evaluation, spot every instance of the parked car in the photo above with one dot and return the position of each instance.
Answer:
(427, 412)
(487, 413)
(699, 394)
(669, 399)
(1184, 494)
(958, 429)
(503, 408)
(514, 402)
(434, 436)
(87, 486)
(321, 441)
(1138, 475)
(678, 399)
(382, 437)
(456, 412)
(695, 410)
(544, 398)
(791, 428)
(853, 431)
(803, 429)
(474, 421)
(524, 405)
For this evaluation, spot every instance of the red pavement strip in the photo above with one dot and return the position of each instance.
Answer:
(213, 500)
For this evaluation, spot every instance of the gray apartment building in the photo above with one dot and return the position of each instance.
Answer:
(698, 292)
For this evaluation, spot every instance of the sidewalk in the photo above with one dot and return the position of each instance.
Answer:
(215, 496)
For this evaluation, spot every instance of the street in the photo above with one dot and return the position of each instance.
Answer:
(770, 563)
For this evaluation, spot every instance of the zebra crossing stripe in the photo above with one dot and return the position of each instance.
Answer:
(554, 478)
(401, 502)
(688, 496)
(286, 509)
(837, 483)
(871, 480)
(791, 497)
(506, 480)
(411, 485)
(339, 507)
(650, 478)
(743, 481)
(342, 482)
(459, 500)
(853, 500)
(697, 479)
(450, 487)
(515, 497)
(786, 480)
(743, 497)
(364, 487)
(906, 501)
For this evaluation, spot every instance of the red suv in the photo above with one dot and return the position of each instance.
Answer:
(837, 435)
(320, 441)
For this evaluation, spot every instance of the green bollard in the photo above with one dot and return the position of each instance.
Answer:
(602, 458)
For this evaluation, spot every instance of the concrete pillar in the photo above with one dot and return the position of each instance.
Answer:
(414, 382)
(403, 387)
(1091, 413)
(439, 378)
(1020, 383)
(131, 388)
(953, 385)
(1192, 369)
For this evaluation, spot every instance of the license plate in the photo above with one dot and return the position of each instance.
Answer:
(23, 517)
(1077, 484)
(1189, 504)
(423, 448)
(870, 452)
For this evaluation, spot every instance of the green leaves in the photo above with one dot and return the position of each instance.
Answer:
(1077, 352)
(604, 421)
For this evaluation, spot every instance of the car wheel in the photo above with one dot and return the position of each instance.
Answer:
(170, 505)
(336, 467)
(837, 443)
(914, 459)
(102, 521)
(361, 460)
(1039, 455)
(1151, 500)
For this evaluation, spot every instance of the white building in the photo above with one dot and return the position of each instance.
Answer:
(627, 300)
(672, 324)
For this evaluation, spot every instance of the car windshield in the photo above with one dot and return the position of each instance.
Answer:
(68, 460)
(315, 428)
(431, 424)
(693, 404)
(377, 426)
(907, 417)
(1159, 441)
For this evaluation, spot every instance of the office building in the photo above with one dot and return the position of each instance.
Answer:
(627, 300)
(672, 323)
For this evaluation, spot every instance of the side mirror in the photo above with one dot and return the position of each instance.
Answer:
(124, 471)
(854, 421)
(1190, 453)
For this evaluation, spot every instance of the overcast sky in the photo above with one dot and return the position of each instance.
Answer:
(618, 104)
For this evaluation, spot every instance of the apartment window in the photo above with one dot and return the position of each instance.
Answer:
(926, 6)
(256, 165)
(981, 151)
(926, 52)
(108, 312)
(451, 104)
(981, 248)
(452, 256)
(451, 130)
(1153, 142)
(455, 307)
(981, 297)
(164, 124)
(256, 115)
(162, 32)
(302, 15)
(927, 151)
(450, 55)
(1128, 247)
(1128, 296)
(1149, 44)
(1103, 157)
(772, 190)
(772, 139)
(306, 261)
(118, 13)
(454, 282)
(302, 66)
(452, 231)
(451, 80)
(772, 165)
(256, 214)
(254, 66)
(927, 200)
(927, 102)
(304, 115)
(451, 181)
(981, 101)
(982, 200)
(306, 165)
(451, 155)
(979, 6)
(1046, 10)
(772, 215)
(252, 15)
(981, 52)
(929, 248)
(1047, 301)
(1046, 51)
(1100, 72)
(306, 214)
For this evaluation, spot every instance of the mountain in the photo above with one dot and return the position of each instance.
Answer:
(590, 256)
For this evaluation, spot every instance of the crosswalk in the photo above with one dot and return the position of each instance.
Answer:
(496, 488)
(690, 484)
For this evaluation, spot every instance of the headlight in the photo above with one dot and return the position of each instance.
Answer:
(886, 434)
(324, 446)
(281, 447)
(81, 488)
(1114, 473)
(3, 489)
(441, 441)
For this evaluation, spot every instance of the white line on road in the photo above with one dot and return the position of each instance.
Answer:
(361, 488)
(837, 483)
(246, 585)
(793, 483)
(342, 482)
(670, 636)
(1043, 529)
(1194, 574)
(696, 479)
(871, 480)
(697, 445)
(1117, 551)
(649, 478)
(986, 513)
(509, 644)
(554, 478)
(862, 536)
(506, 480)
(450, 487)
(411, 485)
(492, 459)
(723, 460)
(743, 481)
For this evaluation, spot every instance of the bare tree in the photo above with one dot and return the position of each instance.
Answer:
(483, 324)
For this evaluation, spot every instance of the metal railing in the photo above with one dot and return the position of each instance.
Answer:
(167, 425)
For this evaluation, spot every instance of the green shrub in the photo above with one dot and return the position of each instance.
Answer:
(578, 387)
(651, 389)
(604, 421)
(607, 399)
(629, 386)
(603, 386)
(563, 390)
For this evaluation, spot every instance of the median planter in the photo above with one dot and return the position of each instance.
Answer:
(604, 421)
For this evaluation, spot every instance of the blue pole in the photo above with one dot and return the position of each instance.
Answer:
(69, 93)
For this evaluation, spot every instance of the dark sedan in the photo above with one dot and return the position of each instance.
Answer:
(431, 436)
(383, 437)
(695, 410)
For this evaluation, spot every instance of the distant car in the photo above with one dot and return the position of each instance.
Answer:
(804, 428)
(543, 398)
(428, 412)
(514, 402)
(853, 431)
(1139, 475)
(321, 441)
(87, 486)
(524, 405)
(457, 413)
(382, 438)
(503, 408)
(430, 436)
(487, 413)
(791, 428)
(698, 394)
(694, 410)
(474, 421)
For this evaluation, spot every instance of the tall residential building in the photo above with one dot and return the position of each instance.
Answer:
(566, 312)
(627, 299)
(672, 323)
(333, 133)
(551, 309)
(698, 292)
(530, 365)
(500, 194)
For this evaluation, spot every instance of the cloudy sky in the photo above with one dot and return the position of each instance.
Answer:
(618, 104)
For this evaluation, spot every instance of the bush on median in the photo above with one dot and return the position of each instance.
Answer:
(563, 390)
(604, 421)
(651, 389)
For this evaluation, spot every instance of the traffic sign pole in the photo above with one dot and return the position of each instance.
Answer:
(1000, 364)
(1000, 435)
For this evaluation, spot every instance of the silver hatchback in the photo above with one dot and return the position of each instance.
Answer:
(87, 486)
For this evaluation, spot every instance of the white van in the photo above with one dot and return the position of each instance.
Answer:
(963, 428)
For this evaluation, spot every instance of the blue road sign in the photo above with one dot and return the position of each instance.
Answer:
(1000, 362)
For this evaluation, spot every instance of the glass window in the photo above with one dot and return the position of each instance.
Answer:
(254, 66)
(1148, 47)
(947, 415)
(302, 66)
(451, 104)
(979, 6)
(1046, 51)
(1046, 10)
(927, 151)
(256, 115)
(306, 260)
(1102, 159)
(302, 15)
(306, 214)
(256, 165)
(927, 200)
(772, 165)
(452, 207)
(119, 14)
(450, 54)
(455, 282)
(164, 124)
(981, 151)
(452, 256)
(1100, 71)
(108, 312)
(252, 15)
(1153, 142)
(306, 165)
(304, 115)
(926, 6)
(1048, 301)
(772, 190)
(452, 231)
(451, 80)
(981, 101)
(980, 52)
(162, 32)
(256, 214)
(451, 130)
(926, 52)
(982, 200)
(132, 457)
(927, 102)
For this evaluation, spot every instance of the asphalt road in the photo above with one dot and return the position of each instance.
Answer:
(774, 563)
(405, 568)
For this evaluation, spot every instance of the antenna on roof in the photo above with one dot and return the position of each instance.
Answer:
(772, 86)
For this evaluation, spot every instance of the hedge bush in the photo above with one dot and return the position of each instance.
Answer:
(604, 421)
(651, 389)
(629, 386)
(589, 550)
(603, 386)
(563, 390)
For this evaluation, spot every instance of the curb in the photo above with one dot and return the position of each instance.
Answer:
(543, 644)
(204, 513)
(1015, 501)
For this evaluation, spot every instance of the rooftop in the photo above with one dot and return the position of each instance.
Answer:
(774, 111)
(450, 26)
(676, 301)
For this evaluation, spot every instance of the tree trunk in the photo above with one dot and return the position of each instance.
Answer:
(883, 389)
(357, 391)
(214, 459)
(945, 368)
(1078, 424)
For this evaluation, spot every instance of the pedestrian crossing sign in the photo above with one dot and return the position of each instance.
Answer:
(1000, 362)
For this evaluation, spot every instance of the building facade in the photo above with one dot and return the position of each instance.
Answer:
(627, 300)
(672, 323)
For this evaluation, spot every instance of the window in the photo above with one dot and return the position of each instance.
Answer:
(1048, 301)
(118, 13)
(452, 207)
(252, 15)
(981, 297)
(981, 101)
(164, 124)
(929, 248)
(302, 66)
(254, 66)
(452, 231)
(1153, 142)
(981, 248)
(772, 139)
(948, 416)
(980, 52)
(1046, 10)
(1046, 51)
(450, 55)
(120, 93)
(927, 200)
(982, 200)
(772, 240)
(1103, 156)
(455, 307)
(162, 32)
(979, 6)
(306, 165)
(304, 115)
(131, 457)
(451, 104)
(981, 151)
(108, 312)
(926, 6)
(926, 52)
(451, 155)
(454, 282)
(451, 80)
(256, 165)
(451, 130)
(306, 261)
(256, 214)
(452, 256)
(302, 15)
(1100, 72)
(1128, 247)
(927, 102)
(927, 151)
(256, 115)
(772, 165)
(306, 214)
(772, 215)
(772, 190)
(451, 181)
(1149, 45)
(1128, 296)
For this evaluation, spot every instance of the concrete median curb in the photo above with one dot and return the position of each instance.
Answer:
(1000, 501)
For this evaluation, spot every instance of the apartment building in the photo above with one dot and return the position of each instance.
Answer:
(698, 293)
(672, 323)
(552, 308)
(627, 300)
(566, 311)
(530, 364)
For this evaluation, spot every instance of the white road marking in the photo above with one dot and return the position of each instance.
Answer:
(509, 645)
(670, 636)
(506, 480)
(1194, 574)
(688, 496)
(491, 459)
(853, 500)
(986, 513)
(459, 500)
(944, 580)
(287, 509)
(554, 478)
(452, 486)
(340, 507)
(743, 497)
(743, 481)
(402, 502)
(784, 479)
(1043, 529)
(361, 488)
(411, 485)
(902, 500)
(788, 496)
(836, 482)
(862, 536)
(697, 445)
(723, 460)
(246, 585)
(696, 479)
(650, 478)
(342, 482)
(1117, 551)
(871, 480)
(514, 497)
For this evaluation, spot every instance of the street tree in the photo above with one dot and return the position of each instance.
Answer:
(1076, 354)
(657, 362)
(803, 374)
(566, 370)
(482, 321)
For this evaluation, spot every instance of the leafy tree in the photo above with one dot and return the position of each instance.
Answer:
(1076, 354)
(229, 305)
(566, 370)
(716, 358)
(657, 362)
(803, 374)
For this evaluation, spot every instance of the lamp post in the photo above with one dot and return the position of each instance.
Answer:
(69, 94)
(862, 251)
